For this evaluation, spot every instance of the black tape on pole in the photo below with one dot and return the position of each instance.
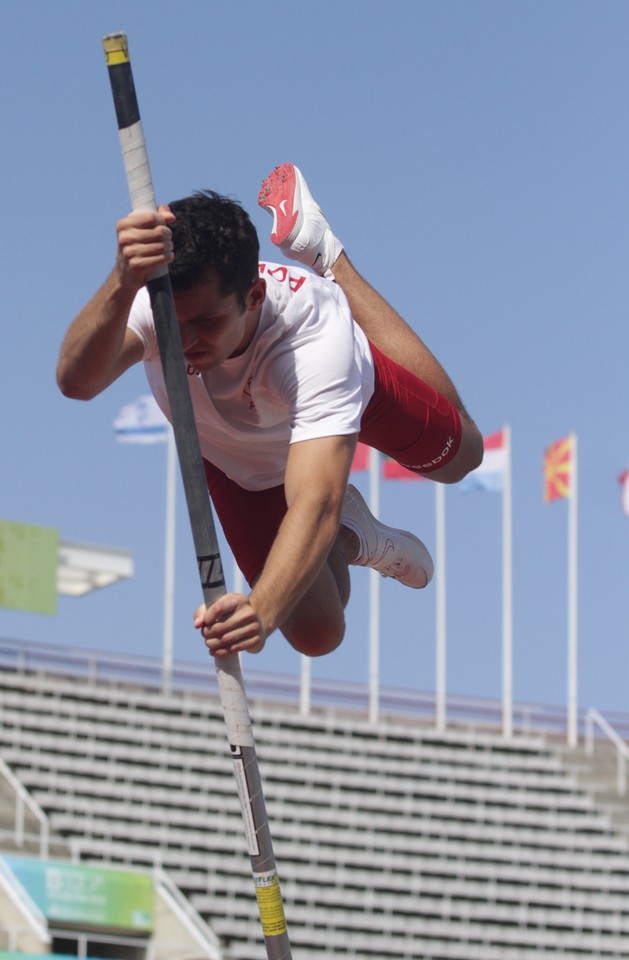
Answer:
(121, 79)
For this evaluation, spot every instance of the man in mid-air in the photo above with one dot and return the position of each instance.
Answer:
(288, 369)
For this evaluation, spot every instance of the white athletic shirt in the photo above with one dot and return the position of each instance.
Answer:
(307, 373)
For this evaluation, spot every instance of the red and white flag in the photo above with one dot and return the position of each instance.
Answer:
(361, 458)
(395, 471)
(623, 480)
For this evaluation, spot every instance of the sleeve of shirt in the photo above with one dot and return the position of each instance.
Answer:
(141, 322)
(327, 374)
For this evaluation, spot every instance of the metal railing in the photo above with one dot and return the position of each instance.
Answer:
(122, 670)
(26, 910)
(187, 915)
(23, 802)
(594, 718)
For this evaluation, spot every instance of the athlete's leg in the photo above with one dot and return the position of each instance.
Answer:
(317, 624)
(392, 335)
(250, 521)
(301, 230)
(386, 329)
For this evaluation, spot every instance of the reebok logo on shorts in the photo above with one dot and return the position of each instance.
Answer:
(431, 463)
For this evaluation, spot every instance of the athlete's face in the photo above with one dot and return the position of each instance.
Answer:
(213, 325)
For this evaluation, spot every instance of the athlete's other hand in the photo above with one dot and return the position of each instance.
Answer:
(230, 625)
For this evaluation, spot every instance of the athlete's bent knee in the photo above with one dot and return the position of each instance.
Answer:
(315, 641)
(468, 457)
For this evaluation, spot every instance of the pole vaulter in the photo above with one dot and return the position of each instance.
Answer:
(230, 681)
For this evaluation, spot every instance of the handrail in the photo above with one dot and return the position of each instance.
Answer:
(593, 717)
(23, 798)
(187, 915)
(120, 669)
(24, 904)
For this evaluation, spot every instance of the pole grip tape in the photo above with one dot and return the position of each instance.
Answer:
(132, 143)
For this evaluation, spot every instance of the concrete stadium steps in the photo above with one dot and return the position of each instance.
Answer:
(392, 841)
(344, 828)
(597, 775)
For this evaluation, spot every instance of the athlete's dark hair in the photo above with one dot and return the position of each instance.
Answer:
(213, 233)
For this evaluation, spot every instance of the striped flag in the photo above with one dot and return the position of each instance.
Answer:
(141, 421)
(623, 480)
(559, 470)
(392, 470)
(491, 473)
(361, 458)
(489, 476)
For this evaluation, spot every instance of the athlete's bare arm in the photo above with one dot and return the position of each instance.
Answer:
(295, 592)
(98, 347)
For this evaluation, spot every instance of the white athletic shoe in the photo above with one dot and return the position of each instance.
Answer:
(393, 553)
(300, 229)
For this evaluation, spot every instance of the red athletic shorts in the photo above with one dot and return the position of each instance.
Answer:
(405, 419)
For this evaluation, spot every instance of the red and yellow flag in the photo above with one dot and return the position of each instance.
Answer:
(558, 470)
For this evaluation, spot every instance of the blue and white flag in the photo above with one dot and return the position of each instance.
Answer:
(141, 421)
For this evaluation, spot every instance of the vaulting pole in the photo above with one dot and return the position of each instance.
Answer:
(233, 697)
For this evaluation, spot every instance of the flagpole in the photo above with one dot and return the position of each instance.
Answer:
(304, 687)
(374, 595)
(440, 541)
(573, 736)
(239, 580)
(507, 592)
(169, 562)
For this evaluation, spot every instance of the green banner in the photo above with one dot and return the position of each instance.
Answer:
(91, 896)
(28, 567)
(10, 955)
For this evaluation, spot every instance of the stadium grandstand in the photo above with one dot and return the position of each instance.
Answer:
(393, 839)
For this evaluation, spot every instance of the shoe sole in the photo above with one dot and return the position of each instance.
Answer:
(281, 195)
(416, 576)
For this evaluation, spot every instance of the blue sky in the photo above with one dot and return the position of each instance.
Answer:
(473, 158)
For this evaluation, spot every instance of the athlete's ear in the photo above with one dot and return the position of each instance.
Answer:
(256, 294)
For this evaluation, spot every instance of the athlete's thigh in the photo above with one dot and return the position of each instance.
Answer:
(316, 626)
(250, 518)
(408, 420)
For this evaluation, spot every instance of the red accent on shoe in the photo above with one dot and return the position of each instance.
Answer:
(278, 193)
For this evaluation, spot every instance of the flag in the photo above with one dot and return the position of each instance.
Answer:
(558, 470)
(623, 480)
(28, 567)
(361, 458)
(141, 421)
(393, 470)
(489, 476)
(491, 472)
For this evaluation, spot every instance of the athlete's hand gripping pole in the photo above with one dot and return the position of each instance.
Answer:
(229, 675)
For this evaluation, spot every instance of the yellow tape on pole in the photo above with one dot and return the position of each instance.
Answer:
(270, 904)
(116, 48)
